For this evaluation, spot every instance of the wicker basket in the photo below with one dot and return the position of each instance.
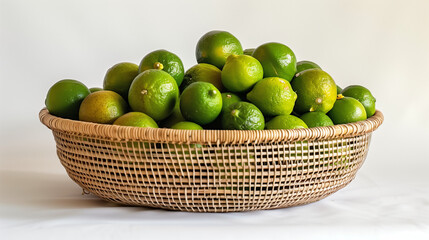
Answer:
(211, 170)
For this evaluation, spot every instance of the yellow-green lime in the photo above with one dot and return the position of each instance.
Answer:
(165, 61)
(201, 102)
(136, 119)
(347, 110)
(102, 107)
(243, 116)
(202, 72)
(155, 93)
(273, 96)
(184, 148)
(228, 99)
(64, 98)
(363, 95)
(214, 48)
(277, 60)
(304, 65)
(241, 72)
(95, 89)
(248, 51)
(316, 119)
(187, 125)
(316, 91)
(285, 122)
(119, 77)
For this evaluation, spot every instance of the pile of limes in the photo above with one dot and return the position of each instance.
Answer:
(229, 88)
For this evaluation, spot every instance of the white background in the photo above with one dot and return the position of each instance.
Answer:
(383, 45)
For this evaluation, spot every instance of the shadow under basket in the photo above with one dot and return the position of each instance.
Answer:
(211, 170)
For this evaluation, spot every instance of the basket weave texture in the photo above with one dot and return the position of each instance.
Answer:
(211, 170)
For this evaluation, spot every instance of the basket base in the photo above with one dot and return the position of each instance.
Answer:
(222, 206)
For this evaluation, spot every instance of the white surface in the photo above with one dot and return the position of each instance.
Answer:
(379, 44)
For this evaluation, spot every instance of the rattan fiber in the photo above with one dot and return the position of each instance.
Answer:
(211, 170)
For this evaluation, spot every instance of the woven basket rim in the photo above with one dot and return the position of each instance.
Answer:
(115, 132)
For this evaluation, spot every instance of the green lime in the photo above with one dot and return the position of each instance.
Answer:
(228, 99)
(273, 96)
(64, 98)
(347, 110)
(277, 60)
(339, 89)
(243, 116)
(363, 95)
(202, 72)
(304, 65)
(285, 122)
(241, 72)
(119, 78)
(316, 119)
(136, 119)
(248, 51)
(316, 91)
(165, 61)
(201, 102)
(175, 116)
(102, 107)
(214, 48)
(155, 93)
(187, 125)
(95, 89)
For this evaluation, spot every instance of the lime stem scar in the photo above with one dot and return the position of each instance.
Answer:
(235, 112)
(158, 65)
(339, 96)
(144, 92)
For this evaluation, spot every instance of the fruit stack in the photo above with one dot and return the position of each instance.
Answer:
(254, 89)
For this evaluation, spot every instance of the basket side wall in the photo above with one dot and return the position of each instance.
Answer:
(211, 177)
